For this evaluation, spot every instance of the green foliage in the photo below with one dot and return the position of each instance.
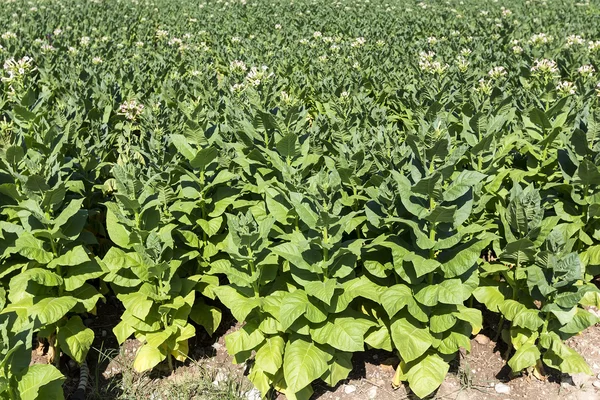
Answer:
(370, 187)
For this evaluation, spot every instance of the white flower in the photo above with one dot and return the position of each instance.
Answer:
(594, 46)
(574, 40)
(175, 42)
(358, 42)
(586, 70)
(237, 66)
(317, 34)
(462, 63)
(303, 41)
(497, 72)
(131, 109)
(517, 49)
(277, 26)
(539, 39)
(57, 32)
(139, 44)
(598, 89)
(236, 39)
(344, 95)
(380, 43)
(47, 48)
(327, 39)
(97, 60)
(9, 35)
(544, 67)
(161, 34)
(72, 50)
(485, 86)
(334, 48)
(323, 58)
(285, 97)
(238, 87)
(84, 41)
(17, 69)
(506, 12)
(565, 88)
(465, 52)
(432, 40)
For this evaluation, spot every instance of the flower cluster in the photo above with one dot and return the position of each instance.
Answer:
(544, 67)
(573, 40)
(256, 75)
(594, 45)
(237, 66)
(358, 42)
(131, 109)
(17, 69)
(497, 72)
(565, 88)
(586, 70)
(9, 36)
(162, 34)
(539, 39)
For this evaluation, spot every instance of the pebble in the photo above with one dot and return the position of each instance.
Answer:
(349, 389)
(220, 377)
(253, 394)
(217, 346)
(598, 376)
(372, 393)
(596, 384)
(482, 339)
(502, 388)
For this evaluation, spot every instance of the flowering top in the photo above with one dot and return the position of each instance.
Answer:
(131, 109)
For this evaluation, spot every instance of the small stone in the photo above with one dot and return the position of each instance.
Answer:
(220, 377)
(349, 389)
(598, 376)
(596, 384)
(502, 388)
(580, 379)
(482, 339)
(104, 333)
(217, 346)
(375, 357)
(372, 393)
(253, 394)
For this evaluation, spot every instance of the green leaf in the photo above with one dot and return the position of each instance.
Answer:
(41, 381)
(426, 374)
(303, 363)
(75, 339)
(116, 231)
(241, 342)
(138, 304)
(207, 316)
(32, 248)
(287, 145)
(293, 306)
(239, 305)
(51, 309)
(270, 355)
(339, 368)
(343, 333)
(183, 147)
(410, 340)
(204, 157)
(525, 357)
(148, 357)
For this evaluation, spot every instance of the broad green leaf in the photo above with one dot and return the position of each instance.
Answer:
(41, 381)
(147, 358)
(270, 355)
(410, 340)
(75, 339)
(303, 363)
(525, 357)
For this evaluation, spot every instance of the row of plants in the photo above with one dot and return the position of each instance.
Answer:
(329, 208)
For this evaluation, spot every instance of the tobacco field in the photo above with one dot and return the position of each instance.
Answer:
(337, 176)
